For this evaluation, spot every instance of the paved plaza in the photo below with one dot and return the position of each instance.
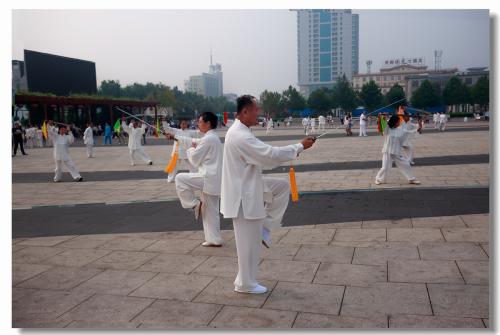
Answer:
(118, 251)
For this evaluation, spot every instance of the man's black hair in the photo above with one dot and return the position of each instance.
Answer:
(244, 101)
(393, 121)
(210, 117)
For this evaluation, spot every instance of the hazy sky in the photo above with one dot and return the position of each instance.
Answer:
(257, 48)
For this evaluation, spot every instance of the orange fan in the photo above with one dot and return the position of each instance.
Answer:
(173, 160)
(293, 185)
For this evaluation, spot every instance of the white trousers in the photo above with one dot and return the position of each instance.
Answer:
(186, 164)
(89, 150)
(248, 232)
(186, 184)
(442, 125)
(140, 152)
(409, 152)
(362, 130)
(322, 126)
(402, 164)
(69, 165)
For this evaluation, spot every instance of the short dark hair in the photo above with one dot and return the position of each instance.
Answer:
(393, 121)
(210, 117)
(244, 101)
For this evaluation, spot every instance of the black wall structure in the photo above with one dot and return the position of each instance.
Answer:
(59, 75)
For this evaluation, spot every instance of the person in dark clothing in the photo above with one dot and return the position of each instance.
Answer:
(18, 133)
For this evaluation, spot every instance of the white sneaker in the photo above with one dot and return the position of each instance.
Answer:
(132, 164)
(266, 238)
(208, 244)
(169, 180)
(412, 163)
(414, 182)
(259, 289)
(378, 182)
(197, 210)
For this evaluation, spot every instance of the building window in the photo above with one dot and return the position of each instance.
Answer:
(325, 45)
(325, 59)
(325, 74)
(325, 17)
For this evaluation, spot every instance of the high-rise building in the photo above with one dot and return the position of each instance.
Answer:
(207, 84)
(328, 47)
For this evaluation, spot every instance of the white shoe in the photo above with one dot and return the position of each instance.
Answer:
(378, 182)
(208, 244)
(132, 164)
(197, 210)
(412, 163)
(259, 289)
(266, 238)
(414, 182)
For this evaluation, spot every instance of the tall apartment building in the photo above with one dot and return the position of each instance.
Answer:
(207, 84)
(328, 47)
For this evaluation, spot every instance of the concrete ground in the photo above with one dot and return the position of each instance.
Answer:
(118, 251)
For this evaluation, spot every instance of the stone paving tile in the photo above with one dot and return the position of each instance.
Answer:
(17, 247)
(219, 266)
(34, 254)
(332, 254)
(127, 244)
(382, 253)
(60, 278)
(361, 244)
(117, 282)
(227, 235)
(294, 271)
(227, 250)
(308, 236)
(475, 272)
(465, 251)
(350, 274)
(353, 224)
(466, 234)
(49, 241)
(103, 308)
(86, 241)
(277, 234)
(311, 320)
(468, 301)
(76, 257)
(173, 287)
(280, 251)
(187, 234)
(476, 220)
(42, 307)
(410, 271)
(22, 272)
(386, 299)
(221, 291)
(486, 248)
(414, 235)
(180, 246)
(123, 260)
(438, 222)
(245, 317)
(172, 263)
(400, 223)
(104, 324)
(362, 234)
(166, 314)
(419, 321)
(302, 297)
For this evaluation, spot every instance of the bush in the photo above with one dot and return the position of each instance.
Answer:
(461, 115)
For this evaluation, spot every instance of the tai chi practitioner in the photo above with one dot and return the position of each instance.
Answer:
(362, 125)
(313, 125)
(206, 155)
(305, 124)
(394, 137)
(442, 121)
(270, 125)
(435, 120)
(62, 138)
(321, 123)
(255, 203)
(88, 139)
(183, 131)
(411, 136)
(134, 140)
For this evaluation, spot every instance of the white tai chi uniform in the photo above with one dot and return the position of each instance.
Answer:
(61, 152)
(442, 121)
(30, 137)
(182, 159)
(39, 138)
(207, 157)
(88, 140)
(313, 125)
(408, 142)
(134, 141)
(362, 125)
(393, 140)
(253, 202)
(305, 124)
(321, 123)
(270, 125)
(435, 120)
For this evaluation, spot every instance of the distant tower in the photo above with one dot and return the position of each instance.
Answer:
(369, 66)
(437, 59)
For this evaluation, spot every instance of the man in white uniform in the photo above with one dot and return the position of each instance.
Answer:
(184, 131)
(305, 124)
(255, 203)
(270, 125)
(412, 135)
(321, 122)
(206, 155)
(435, 120)
(442, 121)
(88, 139)
(134, 140)
(362, 125)
(313, 125)
(62, 138)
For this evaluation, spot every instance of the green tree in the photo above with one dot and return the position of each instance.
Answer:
(395, 93)
(320, 100)
(344, 96)
(292, 99)
(454, 93)
(371, 96)
(110, 88)
(481, 93)
(272, 103)
(426, 95)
